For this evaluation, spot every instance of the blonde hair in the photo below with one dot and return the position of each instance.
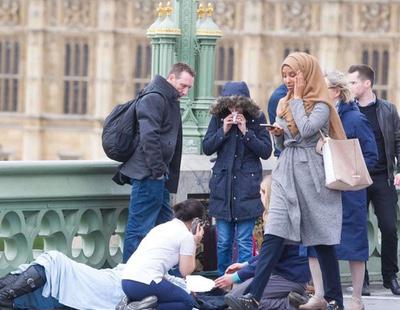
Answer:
(337, 79)
(265, 187)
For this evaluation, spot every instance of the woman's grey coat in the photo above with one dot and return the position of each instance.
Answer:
(302, 209)
(237, 172)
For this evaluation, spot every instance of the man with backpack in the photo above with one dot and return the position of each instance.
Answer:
(154, 166)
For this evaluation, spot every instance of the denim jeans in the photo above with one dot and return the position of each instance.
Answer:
(35, 300)
(149, 206)
(227, 233)
(169, 295)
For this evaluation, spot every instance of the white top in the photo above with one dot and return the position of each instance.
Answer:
(159, 251)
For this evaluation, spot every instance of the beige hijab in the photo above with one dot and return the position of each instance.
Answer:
(315, 91)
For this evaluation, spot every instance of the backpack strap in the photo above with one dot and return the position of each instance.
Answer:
(142, 93)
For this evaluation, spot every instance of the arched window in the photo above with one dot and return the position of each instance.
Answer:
(76, 76)
(142, 66)
(224, 66)
(378, 58)
(296, 47)
(9, 74)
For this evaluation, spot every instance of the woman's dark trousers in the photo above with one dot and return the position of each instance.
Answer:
(271, 251)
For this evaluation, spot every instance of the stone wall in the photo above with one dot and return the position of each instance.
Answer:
(257, 34)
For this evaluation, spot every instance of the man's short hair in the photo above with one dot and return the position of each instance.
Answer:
(180, 67)
(365, 72)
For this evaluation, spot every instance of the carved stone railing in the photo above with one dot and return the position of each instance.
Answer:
(70, 206)
(74, 207)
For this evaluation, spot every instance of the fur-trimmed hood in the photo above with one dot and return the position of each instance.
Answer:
(220, 108)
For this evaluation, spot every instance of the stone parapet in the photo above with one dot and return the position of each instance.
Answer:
(74, 207)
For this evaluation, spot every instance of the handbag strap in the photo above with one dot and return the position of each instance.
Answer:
(324, 137)
(356, 175)
(321, 142)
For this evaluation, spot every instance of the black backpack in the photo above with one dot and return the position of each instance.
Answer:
(120, 137)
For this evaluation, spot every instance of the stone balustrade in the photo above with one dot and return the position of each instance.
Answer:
(70, 206)
(75, 207)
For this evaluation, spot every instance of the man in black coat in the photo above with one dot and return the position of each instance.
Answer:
(154, 166)
(385, 123)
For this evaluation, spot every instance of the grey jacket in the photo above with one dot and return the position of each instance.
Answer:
(389, 122)
(160, 136)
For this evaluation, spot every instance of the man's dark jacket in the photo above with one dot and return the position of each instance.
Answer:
(160, 143)
(273, 101)
(389, 122)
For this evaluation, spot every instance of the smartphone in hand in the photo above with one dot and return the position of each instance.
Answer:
(195, 222)
(269, 126)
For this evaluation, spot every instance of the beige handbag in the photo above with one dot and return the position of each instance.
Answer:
(344, 164)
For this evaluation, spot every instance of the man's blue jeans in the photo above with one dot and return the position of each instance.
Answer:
(149, 206)
(227, 233)
(169, 295)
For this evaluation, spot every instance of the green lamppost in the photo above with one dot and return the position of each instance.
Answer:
(207, 34)
(185, 31)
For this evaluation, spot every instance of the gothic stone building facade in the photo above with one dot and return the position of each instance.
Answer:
(65, 63)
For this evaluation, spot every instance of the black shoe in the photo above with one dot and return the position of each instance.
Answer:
(365, 289)
(246, 302)
(26, 282)
(332, 305)
(393, 284)
(7, 280)
(147, 303)
(296, 299)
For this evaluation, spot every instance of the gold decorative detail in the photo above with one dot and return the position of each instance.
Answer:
(201, 11)
(164, 31)
(210, 9)
(168, 9)
(209, 32)
(160, 10)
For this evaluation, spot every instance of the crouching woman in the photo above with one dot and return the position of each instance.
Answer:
(165, 246)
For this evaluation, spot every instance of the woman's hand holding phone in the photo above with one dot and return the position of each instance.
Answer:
(274, 129)
(241, 122)
(228, 121)
(198, 236)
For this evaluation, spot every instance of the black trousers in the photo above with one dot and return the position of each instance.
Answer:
(383, 196)
(271, 251)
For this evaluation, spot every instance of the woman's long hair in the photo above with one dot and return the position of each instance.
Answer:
(265, 188)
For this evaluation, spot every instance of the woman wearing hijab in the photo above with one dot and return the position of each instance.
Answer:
(353, 246)
(235, 135)
(302, 209)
